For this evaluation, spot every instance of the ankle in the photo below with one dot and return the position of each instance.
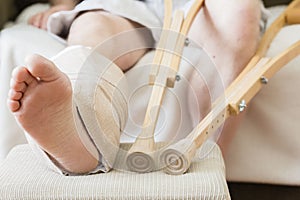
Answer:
(75, 158)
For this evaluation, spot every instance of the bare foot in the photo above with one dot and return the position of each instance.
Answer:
(41, 100)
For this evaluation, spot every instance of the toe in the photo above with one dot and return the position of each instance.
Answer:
(21, 74)
(19, 87)
(14, 95)
(42, 68)
(13, 105)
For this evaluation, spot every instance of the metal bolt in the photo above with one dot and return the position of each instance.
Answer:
(242, 105)
(264, 80)
(177, 78)
(186, 42)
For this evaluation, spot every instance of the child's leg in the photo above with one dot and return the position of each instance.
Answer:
(229, 32)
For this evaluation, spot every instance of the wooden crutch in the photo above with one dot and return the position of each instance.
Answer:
(140, 157)
(176, 158)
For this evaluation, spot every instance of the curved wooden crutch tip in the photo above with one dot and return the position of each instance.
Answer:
(140, 157)
(293, 16)
(176, 159)
(140, 162)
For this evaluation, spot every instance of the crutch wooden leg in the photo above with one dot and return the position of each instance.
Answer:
(140, 157)
(177, 157)
(293, 17)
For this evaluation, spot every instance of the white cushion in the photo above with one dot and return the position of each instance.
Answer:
(23, 176)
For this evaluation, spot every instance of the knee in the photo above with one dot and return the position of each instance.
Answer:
(98, 27)
(246, 24)
(90, 29)
(238, 21)
(247, 29)
(240, 28)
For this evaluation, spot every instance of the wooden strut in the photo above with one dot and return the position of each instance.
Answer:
(176, 158)
(140, 157)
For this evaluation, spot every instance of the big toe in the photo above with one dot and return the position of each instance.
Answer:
(42, 68)
(21, 75)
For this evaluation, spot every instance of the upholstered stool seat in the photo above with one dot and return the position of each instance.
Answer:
(24, 176)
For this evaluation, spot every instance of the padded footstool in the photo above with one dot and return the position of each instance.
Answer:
(24, 176)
